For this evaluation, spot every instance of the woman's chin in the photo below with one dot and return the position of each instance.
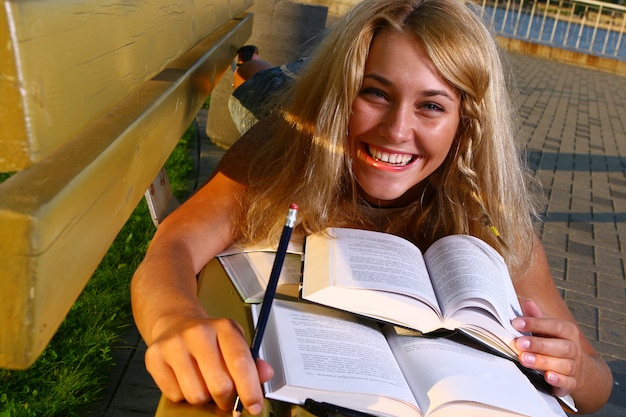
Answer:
(386, 199)
(385, 195)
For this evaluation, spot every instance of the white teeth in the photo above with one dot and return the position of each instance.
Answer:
(398, 159)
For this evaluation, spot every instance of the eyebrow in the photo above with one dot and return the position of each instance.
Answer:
(429, 92)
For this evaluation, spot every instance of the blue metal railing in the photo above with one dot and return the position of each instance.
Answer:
(588, 26)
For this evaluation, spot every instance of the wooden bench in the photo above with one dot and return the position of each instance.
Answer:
(93, 98)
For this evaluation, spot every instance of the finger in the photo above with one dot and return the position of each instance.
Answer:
(537, 323)
(266, 372)
(548, 327)
(242, 369)
(187, 375)
(563, 383)
(213, 362)
(228, 369)
(560, 370)
(192, 382)
(561, 392)
(548, 354)
(562, 365)
(531, 309)
(163, 376)
(561, 344)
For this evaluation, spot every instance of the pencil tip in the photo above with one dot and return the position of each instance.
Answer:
(238, 407)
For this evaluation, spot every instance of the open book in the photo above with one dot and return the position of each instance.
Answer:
(339, 358)
(460, 283)
(249, 270)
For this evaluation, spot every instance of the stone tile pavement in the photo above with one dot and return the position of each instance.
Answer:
(574, 126)
(574, 121)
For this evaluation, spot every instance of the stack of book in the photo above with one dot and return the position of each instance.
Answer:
(366, 321)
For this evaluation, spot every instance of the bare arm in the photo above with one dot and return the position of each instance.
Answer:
(558, 346)
(190, 356)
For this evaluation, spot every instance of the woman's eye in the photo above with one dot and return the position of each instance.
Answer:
(373, 92)
(433, 107)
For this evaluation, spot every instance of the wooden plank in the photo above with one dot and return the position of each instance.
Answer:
(59, 216)
(64, 63)
(167, 408)
(219, 297)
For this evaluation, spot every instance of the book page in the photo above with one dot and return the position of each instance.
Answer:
(295, 246)
(466, 272)
(262, 263)
(441, 371)
(370, 260)
(329, 354)
(250, 272)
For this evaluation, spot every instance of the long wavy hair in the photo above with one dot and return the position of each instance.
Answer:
(482, 187)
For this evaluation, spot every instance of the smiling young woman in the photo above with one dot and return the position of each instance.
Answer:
(400, 122)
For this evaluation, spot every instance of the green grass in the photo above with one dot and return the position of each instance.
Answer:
(5, 175)
(71, 372)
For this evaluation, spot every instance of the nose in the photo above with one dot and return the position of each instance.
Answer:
(399, 123)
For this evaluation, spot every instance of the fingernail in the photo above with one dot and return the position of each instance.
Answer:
(528, 358)
(518, 323)
(523, 343)
(551, 377)
(255, 409)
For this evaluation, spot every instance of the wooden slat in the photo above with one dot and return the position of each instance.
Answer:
(58, 217)
(64, 63)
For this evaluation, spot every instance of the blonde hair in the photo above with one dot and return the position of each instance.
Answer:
(481, 188)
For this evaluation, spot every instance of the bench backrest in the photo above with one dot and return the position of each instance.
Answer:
(93, 97)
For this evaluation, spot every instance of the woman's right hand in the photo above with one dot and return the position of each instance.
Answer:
(192, 357)
(201, 359)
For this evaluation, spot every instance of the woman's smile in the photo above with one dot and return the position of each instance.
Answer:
(383, 158)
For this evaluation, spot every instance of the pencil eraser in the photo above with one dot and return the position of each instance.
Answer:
(293, 206)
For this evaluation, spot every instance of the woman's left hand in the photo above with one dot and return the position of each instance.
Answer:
(554, 347)
(557, 346)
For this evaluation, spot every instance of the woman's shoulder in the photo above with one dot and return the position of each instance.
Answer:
(262, 132)
(247, 146)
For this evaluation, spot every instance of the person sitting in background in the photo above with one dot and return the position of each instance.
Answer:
(258, 87)
(400, 121)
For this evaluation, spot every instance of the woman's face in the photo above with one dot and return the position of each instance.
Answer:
(403, 121)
